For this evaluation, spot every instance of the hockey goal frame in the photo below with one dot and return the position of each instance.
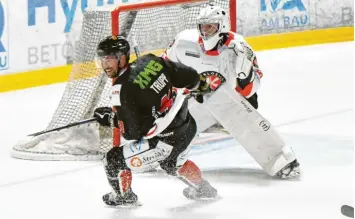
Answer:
(61, 145)
(125, 7)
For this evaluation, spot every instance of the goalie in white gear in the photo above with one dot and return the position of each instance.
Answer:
(213, 47)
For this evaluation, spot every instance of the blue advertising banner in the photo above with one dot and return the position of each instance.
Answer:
(4, 36)
(284, 14)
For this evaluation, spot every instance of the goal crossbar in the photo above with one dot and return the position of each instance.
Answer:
(162, 3)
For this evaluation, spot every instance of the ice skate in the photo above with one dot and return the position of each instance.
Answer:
(129, 199)
(205, 191)
(290, 171)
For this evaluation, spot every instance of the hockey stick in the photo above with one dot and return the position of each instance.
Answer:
(135, 46)
(64, 127)
(126, 29)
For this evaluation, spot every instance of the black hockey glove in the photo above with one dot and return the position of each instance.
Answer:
(105, 116)
(209, 81)
(202, 89)
(203, 86)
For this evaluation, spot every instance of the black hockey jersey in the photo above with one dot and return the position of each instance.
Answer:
(145, 93)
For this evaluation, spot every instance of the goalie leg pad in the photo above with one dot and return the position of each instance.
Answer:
(203, 117)
(255, 133)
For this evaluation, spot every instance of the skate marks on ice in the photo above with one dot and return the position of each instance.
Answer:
(233, 175)
(186, 211)
(213, 142)
(119, 214)
(232, 184)
(51, 175)
(198, 203)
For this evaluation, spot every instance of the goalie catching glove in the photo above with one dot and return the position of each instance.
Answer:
(105, 116)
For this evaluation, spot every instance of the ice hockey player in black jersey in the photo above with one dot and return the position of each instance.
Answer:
(149, 108)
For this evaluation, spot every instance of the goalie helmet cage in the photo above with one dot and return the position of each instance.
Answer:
(154, 24)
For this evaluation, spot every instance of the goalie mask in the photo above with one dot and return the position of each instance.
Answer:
(212, 22)
(109, 53)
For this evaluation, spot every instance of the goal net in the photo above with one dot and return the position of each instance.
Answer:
(153, 24)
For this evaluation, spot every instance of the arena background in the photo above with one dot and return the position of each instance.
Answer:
(37, 46)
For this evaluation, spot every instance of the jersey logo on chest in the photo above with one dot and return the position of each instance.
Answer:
(144, 77)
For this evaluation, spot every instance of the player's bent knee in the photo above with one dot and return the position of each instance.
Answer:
(114, 161)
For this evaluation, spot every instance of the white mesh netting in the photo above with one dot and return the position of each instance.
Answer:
(88, 88)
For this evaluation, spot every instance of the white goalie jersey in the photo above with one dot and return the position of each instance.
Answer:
(234, 59)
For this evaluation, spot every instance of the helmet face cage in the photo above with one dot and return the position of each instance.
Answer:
(214, 16)
(111, 49)
(101, 58)
(209, 29)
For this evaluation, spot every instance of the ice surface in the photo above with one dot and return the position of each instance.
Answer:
(307, 92)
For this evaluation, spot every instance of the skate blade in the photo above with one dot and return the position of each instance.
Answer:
(294, 177)
(205, 199)
(126, 205)
(131, 205)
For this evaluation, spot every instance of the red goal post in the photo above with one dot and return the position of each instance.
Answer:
(162, 3)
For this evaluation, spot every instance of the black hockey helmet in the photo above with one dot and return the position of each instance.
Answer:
(113, 45)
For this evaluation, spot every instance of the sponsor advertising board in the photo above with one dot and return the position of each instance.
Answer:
(37, 34)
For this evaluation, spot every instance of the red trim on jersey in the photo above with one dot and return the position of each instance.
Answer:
(230, 38)
(186, 91)
(246, 91)
(259, 73)
(151, 132)
(165, 56)
(216, 52)
(116, 133)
